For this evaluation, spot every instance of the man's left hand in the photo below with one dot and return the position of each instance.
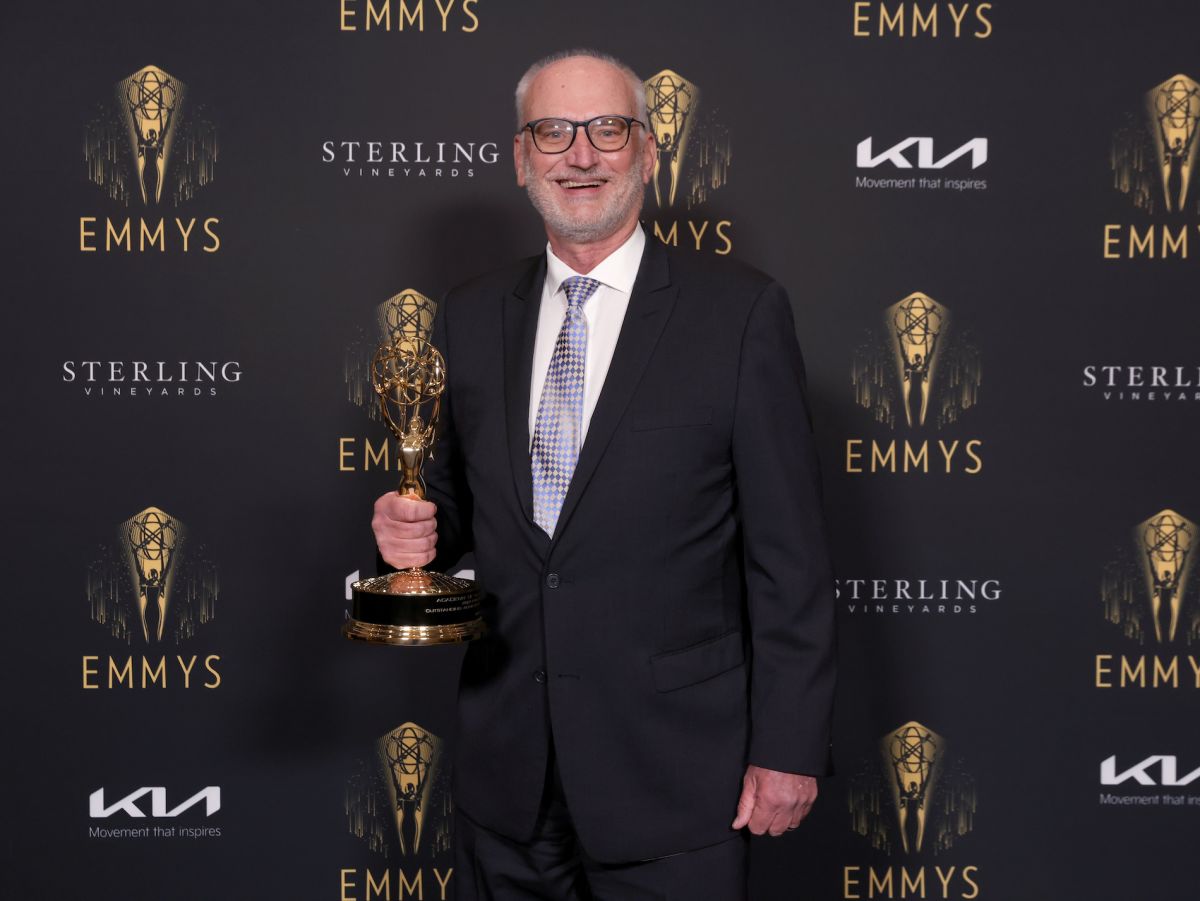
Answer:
(773, 802)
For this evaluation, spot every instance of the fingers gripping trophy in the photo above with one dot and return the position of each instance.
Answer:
(412, 606)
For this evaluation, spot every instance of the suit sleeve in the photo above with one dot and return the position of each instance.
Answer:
(443, 471)
(785, 550)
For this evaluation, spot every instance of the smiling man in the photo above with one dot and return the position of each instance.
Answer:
(626, 449)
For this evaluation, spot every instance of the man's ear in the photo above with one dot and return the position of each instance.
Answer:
(649, 157)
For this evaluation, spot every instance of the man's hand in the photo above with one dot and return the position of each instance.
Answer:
(405, 529)
(773, 802)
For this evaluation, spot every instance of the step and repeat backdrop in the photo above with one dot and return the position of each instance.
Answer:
(987, 215)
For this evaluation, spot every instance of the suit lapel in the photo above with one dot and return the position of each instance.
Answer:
(650, 305)
(521, 308)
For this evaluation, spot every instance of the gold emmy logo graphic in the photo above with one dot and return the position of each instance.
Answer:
(152, 539)
(410, 756)
(1154, 153)
(147, 145)
(148, 584)
(406, 319)
(400, 798)
(914, 755)
(1145, 589)
(932, 799)
(911, 372)
(403, 319)
(692, 154)
(669, 100)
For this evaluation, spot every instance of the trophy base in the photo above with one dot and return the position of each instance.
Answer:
(415, 608)
(412, 636)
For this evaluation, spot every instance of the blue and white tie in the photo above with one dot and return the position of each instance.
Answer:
(559, 422)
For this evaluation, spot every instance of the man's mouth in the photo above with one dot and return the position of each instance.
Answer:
(575, 184)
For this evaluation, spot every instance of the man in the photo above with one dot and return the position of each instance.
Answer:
(626, 449)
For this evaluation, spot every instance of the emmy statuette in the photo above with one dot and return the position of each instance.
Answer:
(412, 606)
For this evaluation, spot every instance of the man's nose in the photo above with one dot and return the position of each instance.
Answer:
(582, 155)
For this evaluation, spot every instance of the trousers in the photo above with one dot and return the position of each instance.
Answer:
(553, 866)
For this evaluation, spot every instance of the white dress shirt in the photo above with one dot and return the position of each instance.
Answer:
(604, 312)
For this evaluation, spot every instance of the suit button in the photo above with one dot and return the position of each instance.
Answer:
(552, 580)
(539, 676)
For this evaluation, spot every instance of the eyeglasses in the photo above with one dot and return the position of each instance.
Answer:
(607, 133)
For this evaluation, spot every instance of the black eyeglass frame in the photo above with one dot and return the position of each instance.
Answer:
(629, 121)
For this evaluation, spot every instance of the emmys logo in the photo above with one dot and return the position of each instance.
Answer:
(1145, 596)
(416, 159)
(399, 317)
(694, 153)
(138, 378)
(1147, 592)
(150, 147)
(398, 802)
(408, 15)
(915, 372)
(151, 586)
(911, 799)
(899, 156)
(1143, 383)
(1153, 161)
(915, 596)
(870, 19)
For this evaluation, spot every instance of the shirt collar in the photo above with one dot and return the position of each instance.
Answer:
(618, 270)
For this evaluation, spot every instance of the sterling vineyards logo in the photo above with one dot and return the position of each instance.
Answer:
(918, 153)
(409, 159)
(150, 378)
(1141, 383)
(923, 597)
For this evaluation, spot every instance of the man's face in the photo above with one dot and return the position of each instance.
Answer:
(584, 195)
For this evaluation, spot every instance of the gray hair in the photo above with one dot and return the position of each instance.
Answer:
(636, 86)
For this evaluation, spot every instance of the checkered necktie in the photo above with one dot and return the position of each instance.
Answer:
(559, 421)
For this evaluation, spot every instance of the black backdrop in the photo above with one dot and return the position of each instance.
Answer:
(1017, 697)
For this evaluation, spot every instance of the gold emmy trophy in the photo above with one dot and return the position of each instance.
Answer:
(412, 606)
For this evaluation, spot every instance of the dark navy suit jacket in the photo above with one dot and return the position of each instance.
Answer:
(680, 623)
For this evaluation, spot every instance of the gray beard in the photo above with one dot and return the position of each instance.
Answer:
(629, 197)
